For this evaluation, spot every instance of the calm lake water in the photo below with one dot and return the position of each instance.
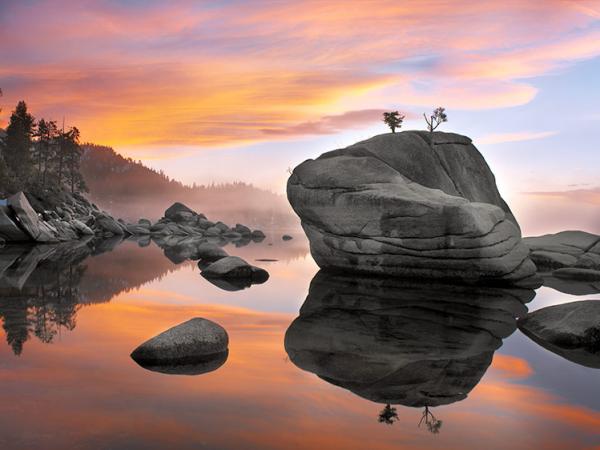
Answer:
(71, 321)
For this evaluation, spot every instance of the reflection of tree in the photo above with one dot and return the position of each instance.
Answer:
(388, 415)
(43, 307)
(433, 424)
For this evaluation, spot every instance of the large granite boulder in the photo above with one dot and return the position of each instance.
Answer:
(394, 341)
(190, 343)
(571, 330)
(398, 205)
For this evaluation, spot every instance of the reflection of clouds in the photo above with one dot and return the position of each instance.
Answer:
(256, 400)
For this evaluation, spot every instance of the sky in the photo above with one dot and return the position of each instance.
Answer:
(238, 90)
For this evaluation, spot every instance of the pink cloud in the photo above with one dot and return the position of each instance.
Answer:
(333, 123)
(192, 73)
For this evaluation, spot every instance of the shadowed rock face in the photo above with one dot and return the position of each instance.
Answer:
(571, 330)
(398, 342)
(396, 205)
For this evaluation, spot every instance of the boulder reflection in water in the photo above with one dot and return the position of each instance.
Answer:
(397, 342)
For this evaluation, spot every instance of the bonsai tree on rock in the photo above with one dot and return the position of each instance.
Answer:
(393, 120)
(438, 117)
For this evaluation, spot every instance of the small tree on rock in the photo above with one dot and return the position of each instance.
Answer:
(438, 117)
(393, 120)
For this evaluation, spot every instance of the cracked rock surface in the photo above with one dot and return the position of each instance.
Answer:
(397, 204)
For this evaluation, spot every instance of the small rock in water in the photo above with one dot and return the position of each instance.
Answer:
(571, 330)
(235, 267)
(258, 235)
(196, 341)
(145, 223)
(287, 237)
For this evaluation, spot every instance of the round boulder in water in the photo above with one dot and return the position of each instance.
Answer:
(193, 342)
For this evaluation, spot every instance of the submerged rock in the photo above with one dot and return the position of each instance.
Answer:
(571, 330)
(235, 267)
(402, 342)
(398, 205)
(191, 342)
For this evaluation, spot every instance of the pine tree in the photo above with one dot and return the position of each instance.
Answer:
(17, 144)
(393, 120)
(72, 157)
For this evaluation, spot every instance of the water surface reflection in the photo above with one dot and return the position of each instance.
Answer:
(395, 342)
(82, 390)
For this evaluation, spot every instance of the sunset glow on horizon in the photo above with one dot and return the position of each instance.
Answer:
(207, 90)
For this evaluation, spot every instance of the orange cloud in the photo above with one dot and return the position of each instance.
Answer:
(193, 73)
(590, 196)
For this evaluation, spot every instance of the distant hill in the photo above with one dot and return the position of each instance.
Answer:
(128, 189)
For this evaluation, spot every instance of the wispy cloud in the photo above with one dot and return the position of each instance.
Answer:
(500, 138)
(197, 73)
(590, 196)
(333, 123)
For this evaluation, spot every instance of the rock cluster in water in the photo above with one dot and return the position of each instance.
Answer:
(400, 204)
(77, 218)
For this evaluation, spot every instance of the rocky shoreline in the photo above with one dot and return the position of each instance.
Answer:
(77, 218)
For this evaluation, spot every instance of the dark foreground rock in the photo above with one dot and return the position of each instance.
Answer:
(398, 342)
(571, 330)
(400, 205)
(196, 342)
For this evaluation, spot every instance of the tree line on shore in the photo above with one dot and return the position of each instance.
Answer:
(36, 155)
